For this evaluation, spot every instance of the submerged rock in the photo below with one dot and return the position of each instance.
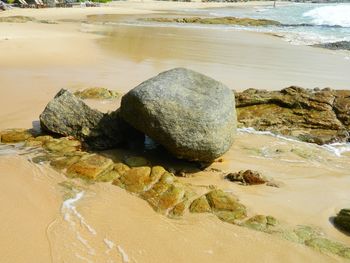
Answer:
(342, 220)
(216, 21)
(96, 93)
(15, 135)
(247, 177)
(191, 115)
(67, 115)
(318, 116)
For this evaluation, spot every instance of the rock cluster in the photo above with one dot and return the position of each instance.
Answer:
(247, 177)
(317, 116)
(189, 114)
(67, 115)
(216, 21)
(340, 45)
(160, 188)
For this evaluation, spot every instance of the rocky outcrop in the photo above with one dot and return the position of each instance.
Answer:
(342, 220)
(67, 115)
(318, 116)
(191, 115)
(340, 45)
(160, 188)
(216, 21)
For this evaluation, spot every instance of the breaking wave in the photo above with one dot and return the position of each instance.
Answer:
(335, 15)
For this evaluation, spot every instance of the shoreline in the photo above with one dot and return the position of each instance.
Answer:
(108, 223)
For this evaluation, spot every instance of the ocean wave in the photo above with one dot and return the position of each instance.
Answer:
(335, 15)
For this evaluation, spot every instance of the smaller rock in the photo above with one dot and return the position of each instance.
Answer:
(90, 167)
(15, 135)
(342, 220)
(247, 177)
(96, 93)
(261, 223)
(226, 206)
(136, 161)
(200, 205)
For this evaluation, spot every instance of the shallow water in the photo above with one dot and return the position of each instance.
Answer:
(309, 23)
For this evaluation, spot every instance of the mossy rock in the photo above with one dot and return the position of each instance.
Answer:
(171, 197)
(219, 200)
(62, 145)
(136, 161)
(90, 167)
(65, 162)
(261, 223)
(15, 135)
(136, 179)
(96, 93)
(327, 246)
(200, 205)
(121, 168)
(342, 220)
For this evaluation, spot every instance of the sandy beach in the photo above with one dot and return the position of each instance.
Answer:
(108, 224)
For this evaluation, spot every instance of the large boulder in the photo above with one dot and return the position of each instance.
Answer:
(68, 115)
(190, 114)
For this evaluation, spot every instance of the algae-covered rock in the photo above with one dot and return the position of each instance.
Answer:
(342, 220)
(67, 115)
(190, 114)
(246, 177)
(90, 167)
(328, 246)
(96, 93)
(261, 223)
(216, 21)
(16, 19)
(226, 206)
(136, 161)
(15, 135)
(200, 205)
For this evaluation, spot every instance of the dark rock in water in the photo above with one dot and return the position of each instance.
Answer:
(191, 115)
(247, 177)
(342, 220)
(318, 116)
(69, 116)
(229, 20)
(340, 45)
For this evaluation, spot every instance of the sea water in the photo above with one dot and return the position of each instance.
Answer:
(303, 23)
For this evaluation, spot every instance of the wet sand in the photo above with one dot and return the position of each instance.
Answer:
(42, 58)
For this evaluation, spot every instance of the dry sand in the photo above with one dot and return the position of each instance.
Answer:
(37, 59)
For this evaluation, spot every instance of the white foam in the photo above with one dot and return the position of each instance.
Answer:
(68, 207)
(334, 15)
(125, 256)
(336, 148)
(109, 243)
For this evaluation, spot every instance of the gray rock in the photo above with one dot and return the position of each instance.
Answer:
(340, 45)
(190, 114)
(69, 116)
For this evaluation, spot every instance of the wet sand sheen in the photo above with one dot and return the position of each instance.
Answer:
(239, 59)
